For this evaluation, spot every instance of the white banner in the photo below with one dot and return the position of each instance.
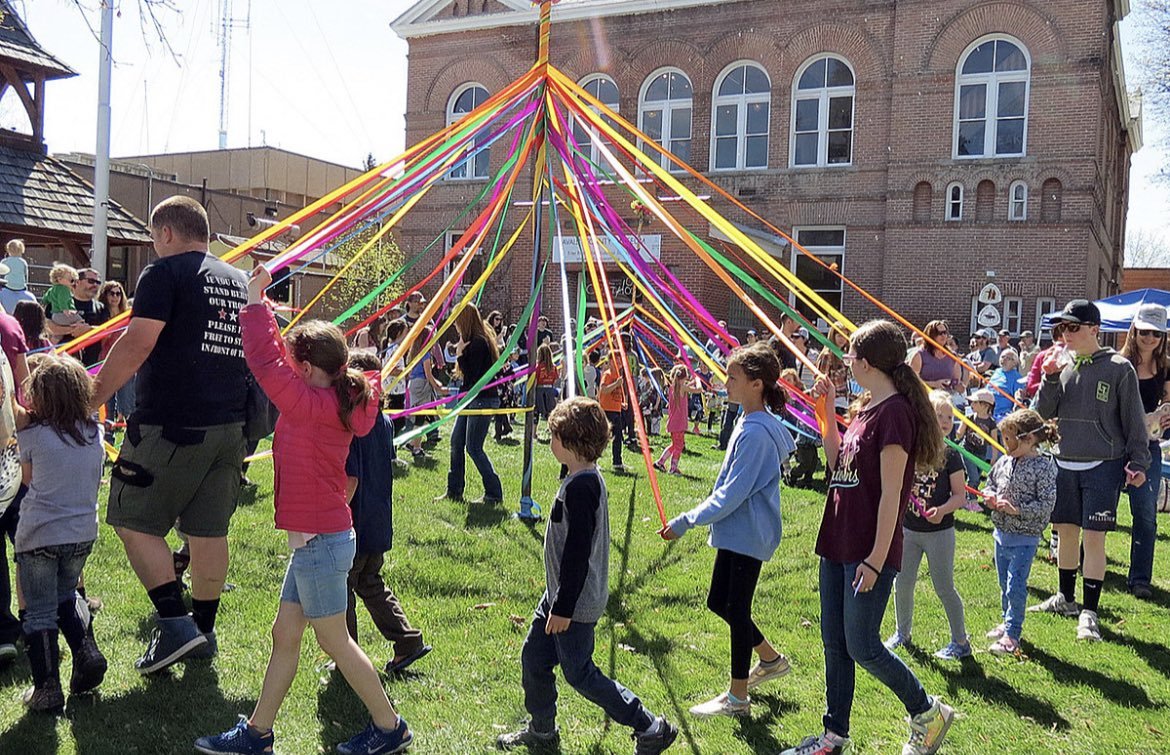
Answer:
(650, 249)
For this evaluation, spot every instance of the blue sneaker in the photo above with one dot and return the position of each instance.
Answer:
(171, 641)
(374, 741)
(954, 652)
(238, 740)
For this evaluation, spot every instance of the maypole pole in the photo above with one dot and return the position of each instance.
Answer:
(529, 509)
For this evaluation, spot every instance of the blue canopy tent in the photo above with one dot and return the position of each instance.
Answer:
(1117, 312)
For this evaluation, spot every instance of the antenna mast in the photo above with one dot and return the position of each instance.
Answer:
(227, 22)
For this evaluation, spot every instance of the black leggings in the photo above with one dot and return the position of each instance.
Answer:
(733, 585)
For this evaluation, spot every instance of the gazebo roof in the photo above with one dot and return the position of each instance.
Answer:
(18, 47)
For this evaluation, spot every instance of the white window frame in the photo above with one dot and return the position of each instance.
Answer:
(1044, 305)
(822, 95)
(948, 204)
(667, 107)
(991, 82)
(1013, 315)
(594, 154)
(741, 102)
(465, 171)
(1018, 208)
(835, 251)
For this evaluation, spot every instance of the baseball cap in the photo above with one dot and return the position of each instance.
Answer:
(803, 333)
(1080, 312)
(987, 333)
(1027, 334)
(983, 395)
(1151, 317)
(1005, 332)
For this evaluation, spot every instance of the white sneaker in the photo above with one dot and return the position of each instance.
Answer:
(762, 672)
(1058, 605)
(722, 706)
(999, 631)
(1087, 627)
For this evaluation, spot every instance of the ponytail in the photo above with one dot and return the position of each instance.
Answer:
(353, 391)
(775, 397)
(929, 448)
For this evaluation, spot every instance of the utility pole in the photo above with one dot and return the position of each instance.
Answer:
(101, 171)
(226, 23)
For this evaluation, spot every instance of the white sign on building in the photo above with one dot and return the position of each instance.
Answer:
(650, 249)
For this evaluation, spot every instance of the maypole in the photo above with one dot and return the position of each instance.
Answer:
(529, 509)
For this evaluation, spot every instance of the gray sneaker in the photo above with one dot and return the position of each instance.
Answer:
(171, 641)
(1087, 627)
(536, 741)
(1058, 605)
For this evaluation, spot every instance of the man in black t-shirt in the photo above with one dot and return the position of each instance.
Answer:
(85, 290)
(184, 445)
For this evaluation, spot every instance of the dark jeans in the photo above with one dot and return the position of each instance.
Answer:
(572, 650)
(730, 414)
(365, 582)
(9, 625)
(470, 432)
(733, 586)
(851, 632)
(615, 430)
(396, 402)
(1143, 502)
(48, 577)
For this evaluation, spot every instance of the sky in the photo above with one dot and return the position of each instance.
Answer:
(325, 78)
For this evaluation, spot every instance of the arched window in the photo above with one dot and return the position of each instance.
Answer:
(985, 201)
(1050, 198)
(664, 113)
(991, 99)
(922, 201)
(739, 129)
(1018, 201)
(465, 99)
(954, 202)
(822, 113)
(605, 90)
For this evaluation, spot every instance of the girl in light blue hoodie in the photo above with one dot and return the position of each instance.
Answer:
(743, 512)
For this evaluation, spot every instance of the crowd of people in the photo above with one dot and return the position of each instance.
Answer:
(1039, 438)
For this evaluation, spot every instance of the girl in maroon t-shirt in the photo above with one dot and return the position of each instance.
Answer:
(860, 541)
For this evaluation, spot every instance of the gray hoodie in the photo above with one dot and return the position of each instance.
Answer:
(1098, 409)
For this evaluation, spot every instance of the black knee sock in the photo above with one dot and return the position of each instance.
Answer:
(168, 600)
(1092, 595)
(204, 612)
(1068, 584)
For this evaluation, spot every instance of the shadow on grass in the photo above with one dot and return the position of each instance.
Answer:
(1118, 691)
(340, 713)
(967, 525)
(1156, 655)
(486, 515)
(757, 730)
(249, 496)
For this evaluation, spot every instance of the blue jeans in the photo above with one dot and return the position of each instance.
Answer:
(470, 432)
(851, 633)
(123, 402)
(730, 415)
(572, 650)
(48, 576)
(1013, 564)
(318, 574)
(973, 472)
(1143, 503)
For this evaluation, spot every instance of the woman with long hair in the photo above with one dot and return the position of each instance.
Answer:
(113, 297)
(894, 432)
(31, 317)
(1145, 348)
(937, 367)
(476, 353)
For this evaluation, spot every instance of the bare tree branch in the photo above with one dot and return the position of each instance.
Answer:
(1151, 25)
(152, 20)
(1146, 248)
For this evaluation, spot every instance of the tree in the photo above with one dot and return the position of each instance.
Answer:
(370, 271)
(1146, 248)
(1152, 28)
(151, 19)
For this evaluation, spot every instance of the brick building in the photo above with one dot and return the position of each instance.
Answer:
(927, 147)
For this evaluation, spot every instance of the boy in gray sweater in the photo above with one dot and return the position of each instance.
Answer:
(576, 566)
(1103, 447)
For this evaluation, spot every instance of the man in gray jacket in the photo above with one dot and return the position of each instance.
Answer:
(1093, 394)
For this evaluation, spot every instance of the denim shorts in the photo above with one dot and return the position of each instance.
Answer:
(317, 572)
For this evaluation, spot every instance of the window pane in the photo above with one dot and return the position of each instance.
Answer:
(756, 81)
(757, 118)
(1011, 98)
(816, 276)
(732, 83)
(757, 152)
(652, 124)
(979, 60)
(1009, 137)
(607, 92)
(813, 76)
(659, 89)
(481, 165)
(806, 115)
(839, 146)
(806, 149)
(971, 138)
(840, 112)
(681, 148)
(725, 120)
(680, 123)
(680, 87)
(1019, 193)
(580, 136)
(821, 237)
(972, 101)
(839, 74)
(1008, 57)
(725, 152)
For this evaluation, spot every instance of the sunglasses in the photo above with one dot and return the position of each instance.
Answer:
(1072, 327)
(1151, 334)
(97, 281)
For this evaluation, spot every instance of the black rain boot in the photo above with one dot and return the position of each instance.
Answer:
(44, 657)
(76, 625)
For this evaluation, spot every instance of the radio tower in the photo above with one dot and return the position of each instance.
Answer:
(227, 22)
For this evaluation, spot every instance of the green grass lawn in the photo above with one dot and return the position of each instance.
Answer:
(470, 577)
